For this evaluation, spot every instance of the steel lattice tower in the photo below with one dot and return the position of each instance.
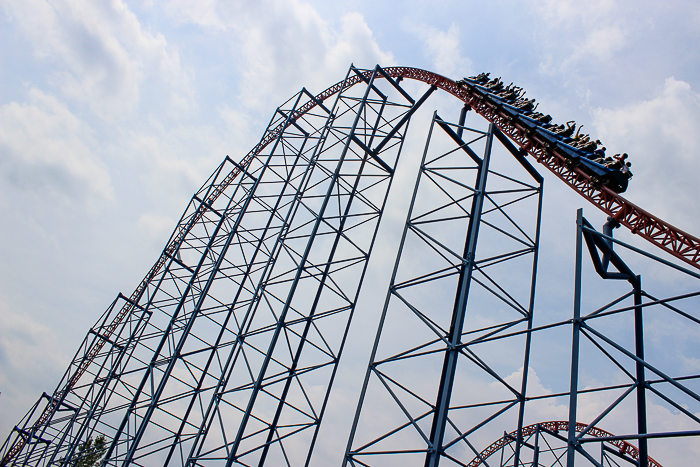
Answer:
(459, 197)
(226, 352)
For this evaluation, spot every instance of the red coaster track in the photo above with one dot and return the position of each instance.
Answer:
(665, 236)
(557, 426)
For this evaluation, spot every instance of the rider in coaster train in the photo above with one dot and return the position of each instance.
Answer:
(515, 97)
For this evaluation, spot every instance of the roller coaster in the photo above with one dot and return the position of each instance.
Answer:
(577, 148)
(227, 350)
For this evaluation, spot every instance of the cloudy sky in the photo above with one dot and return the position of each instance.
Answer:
(113, 112)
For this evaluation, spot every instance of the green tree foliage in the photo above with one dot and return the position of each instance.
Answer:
(90, 454)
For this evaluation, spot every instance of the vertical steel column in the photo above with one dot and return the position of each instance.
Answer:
(536, 454)
(503, 449)
(462, 119)
(156, 392)
(641, 380)
(442, 404)
(528, 338)
(92, 404)
(573, 394)
(429, 260)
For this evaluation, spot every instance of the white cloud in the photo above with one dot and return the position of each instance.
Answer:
(20, 342)
(237, 123)
(354, 43)
(581, 34)
(157, 226)
(175, 160)
(442, 48)
(102, 52)
(540, 410)
(571, 11)
(661, 136)
(100, 55)
(26, 363)
(282, 41)
(296, 38)
(46, 149)
(202, 13)
(603, 43)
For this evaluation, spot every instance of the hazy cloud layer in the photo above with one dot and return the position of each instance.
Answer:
(277, 39)
(45, 149)
(100, 53)
(594, 34)
(24, 357)
(442, 48)
(661, 136)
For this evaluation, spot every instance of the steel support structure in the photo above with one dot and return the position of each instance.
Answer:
(410, 413)
(608, 342)
(296, 330)
(250, 306)
(601, 328)
(226, 352)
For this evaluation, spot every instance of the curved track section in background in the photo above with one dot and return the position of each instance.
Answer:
(623, 446)
(541, 146)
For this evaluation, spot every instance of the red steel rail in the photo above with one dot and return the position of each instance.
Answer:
(662, 234)
(557, 426)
